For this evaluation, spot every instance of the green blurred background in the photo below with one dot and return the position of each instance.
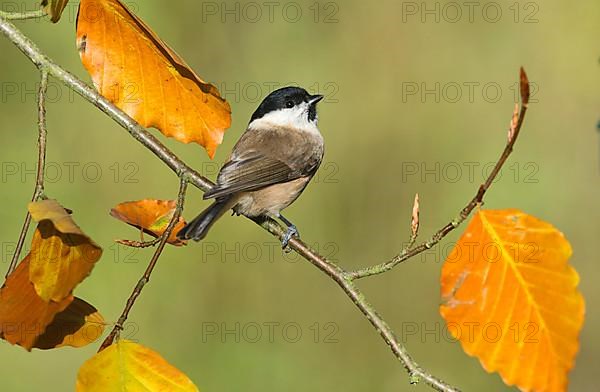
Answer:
(383, 144)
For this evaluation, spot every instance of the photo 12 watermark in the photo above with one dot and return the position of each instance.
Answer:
(269, 332)
(328, 173)
(463, 92)
(27, 92)
(266, 252)
(92, 12)
(470, 331)
(471, 172)
(255, 91)
(326, 12)
(470, 12)
(70, 172)
(489, 251)
(115, 253)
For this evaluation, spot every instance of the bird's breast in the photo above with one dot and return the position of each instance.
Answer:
(271, 199)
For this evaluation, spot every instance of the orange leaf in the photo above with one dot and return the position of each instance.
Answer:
(127, 366)
(150, 215)
(61, 254)
(24, 316)
(133, 68)
(511, 298)
(78, 325)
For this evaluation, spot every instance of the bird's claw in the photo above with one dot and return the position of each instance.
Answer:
(292, 231)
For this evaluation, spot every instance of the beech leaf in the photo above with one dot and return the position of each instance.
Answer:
(78, 325)
(510, 297)
(138, 72)
(150, 215)
(24, 316)
(128, 366)
(61, 254)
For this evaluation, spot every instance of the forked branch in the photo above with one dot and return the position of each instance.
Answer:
(408, 252)
(137, 290)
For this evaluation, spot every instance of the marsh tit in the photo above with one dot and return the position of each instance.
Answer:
(270, 165)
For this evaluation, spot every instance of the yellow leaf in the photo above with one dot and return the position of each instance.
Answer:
(128, 366)
(133, 68)
(511, 299)
(61, 254)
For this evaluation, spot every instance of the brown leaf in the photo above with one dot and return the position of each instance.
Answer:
(61, 254)
(24, 316)
(133, 68)
(77, 326)
(150, 215)
(54, 8)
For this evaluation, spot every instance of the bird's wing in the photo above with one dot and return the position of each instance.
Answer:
(250, 172)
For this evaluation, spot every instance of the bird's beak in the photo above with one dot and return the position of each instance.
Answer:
(314, 99)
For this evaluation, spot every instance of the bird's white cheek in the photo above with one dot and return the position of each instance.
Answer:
(296, 118)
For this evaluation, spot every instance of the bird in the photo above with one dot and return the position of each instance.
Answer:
(270, 166)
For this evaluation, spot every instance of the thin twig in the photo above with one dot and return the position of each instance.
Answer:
(41, 167)
(23, 15)
(406, 254)
(137, 290)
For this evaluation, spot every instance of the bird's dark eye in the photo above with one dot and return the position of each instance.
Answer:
(289, 104)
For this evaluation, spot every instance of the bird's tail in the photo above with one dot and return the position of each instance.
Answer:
(198, 228)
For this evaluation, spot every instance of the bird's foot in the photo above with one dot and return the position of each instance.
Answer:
(292, 231)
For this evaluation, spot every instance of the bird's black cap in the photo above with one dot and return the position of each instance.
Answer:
(286, 97)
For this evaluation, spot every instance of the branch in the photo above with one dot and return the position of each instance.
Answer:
(23, 15)
(409, 252)
(342, 277)
(137, 290)
(41, 167)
